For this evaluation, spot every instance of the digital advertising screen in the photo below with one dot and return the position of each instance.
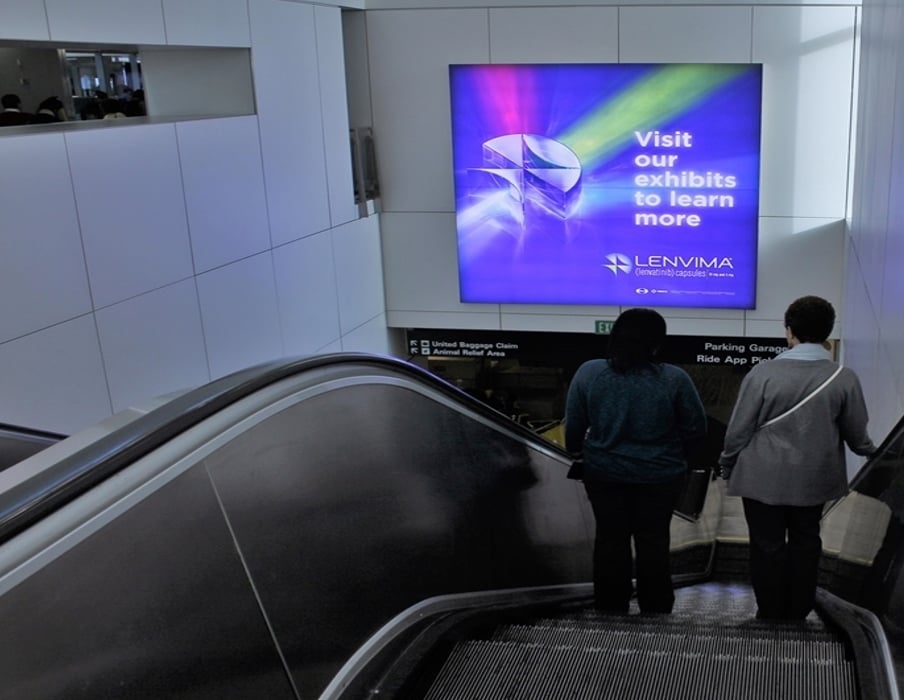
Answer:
(615, 184)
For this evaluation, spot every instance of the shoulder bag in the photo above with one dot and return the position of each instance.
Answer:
(803, 400)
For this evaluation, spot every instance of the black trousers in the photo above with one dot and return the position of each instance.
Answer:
(784, 558)
(642, 512)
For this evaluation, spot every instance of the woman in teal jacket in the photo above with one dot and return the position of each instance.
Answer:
(634, 420)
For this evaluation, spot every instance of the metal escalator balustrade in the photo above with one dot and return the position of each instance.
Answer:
(18, 443)
(221, 546)
(246, 538)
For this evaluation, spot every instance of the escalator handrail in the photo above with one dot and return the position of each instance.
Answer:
(30, 433)
(864, 480)
(894, 436)
(864, 632)
(47, 490)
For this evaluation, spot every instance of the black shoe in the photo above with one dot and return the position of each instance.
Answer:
(608, 609)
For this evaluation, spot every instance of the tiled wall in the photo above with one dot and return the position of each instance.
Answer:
(874, 300)
(142, 259)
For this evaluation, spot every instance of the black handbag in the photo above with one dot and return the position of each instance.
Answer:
(576, 470)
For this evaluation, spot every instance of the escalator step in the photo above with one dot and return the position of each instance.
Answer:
(479, 669)
(659, 623)
(718, 641)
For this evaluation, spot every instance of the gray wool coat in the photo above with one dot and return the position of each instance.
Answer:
(800, 459)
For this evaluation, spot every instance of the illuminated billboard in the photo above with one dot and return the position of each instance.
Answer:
(616, 184)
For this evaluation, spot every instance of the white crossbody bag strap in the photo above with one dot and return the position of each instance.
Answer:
(803, 400)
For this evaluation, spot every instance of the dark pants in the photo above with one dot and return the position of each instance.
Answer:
(643, 512)
(784, 558)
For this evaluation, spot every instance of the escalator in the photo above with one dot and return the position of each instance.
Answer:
(18, 443)
(710, 647)
(350, 526)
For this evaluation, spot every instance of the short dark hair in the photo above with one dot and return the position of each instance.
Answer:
(10, 101)
(636, 337)
(53, 103)
(810, 319)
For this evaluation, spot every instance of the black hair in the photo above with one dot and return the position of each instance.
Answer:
(52, 103)
(110, 105)
(810, 319)
(636, 337)
(10, 101)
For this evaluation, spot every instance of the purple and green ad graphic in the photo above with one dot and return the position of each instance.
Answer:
(621, 184)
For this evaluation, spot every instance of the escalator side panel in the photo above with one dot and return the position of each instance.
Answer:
(348, 498)
(356, 504)
(155, 604)
(18, 444)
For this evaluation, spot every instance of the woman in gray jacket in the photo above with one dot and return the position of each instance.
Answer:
(784, 456)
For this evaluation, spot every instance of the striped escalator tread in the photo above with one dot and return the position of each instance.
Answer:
(710, 648)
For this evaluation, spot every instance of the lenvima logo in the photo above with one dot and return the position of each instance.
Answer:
(619, 263)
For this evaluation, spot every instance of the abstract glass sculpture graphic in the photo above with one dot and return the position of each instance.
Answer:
(539, 170)
(618, 263)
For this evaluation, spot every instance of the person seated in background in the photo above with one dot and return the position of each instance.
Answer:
(91, 110)
(12, 114)
(134, 106)
(112, 109)
(50, 111)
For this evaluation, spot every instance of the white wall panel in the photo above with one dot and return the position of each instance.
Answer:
(555, 323)
(676, 312)
(306, 288)
(131, 206)
(684, 34)
(359, 272)
(798, 257)
(561, 318)
(372, 336)
(808, 62)
(114, 21)
(484, 321)
(354, 33)
(874, 323)
(286, 81)
(436, 4)
(409, 57)
(870, 218)
(550, 35)
(153, 344)
(334, 103)
(43, 279)
(420, 264)
(688, 325)
(860, 351)
(597, 312)
(224, 190)
(239, 313)
(860, 331)
(349, 4)
(891, 311)
(766, 328)
(207, 22)
(54, 379)
(23, 19)
(197, 82)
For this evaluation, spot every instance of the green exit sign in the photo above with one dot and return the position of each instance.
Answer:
(603, 327)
